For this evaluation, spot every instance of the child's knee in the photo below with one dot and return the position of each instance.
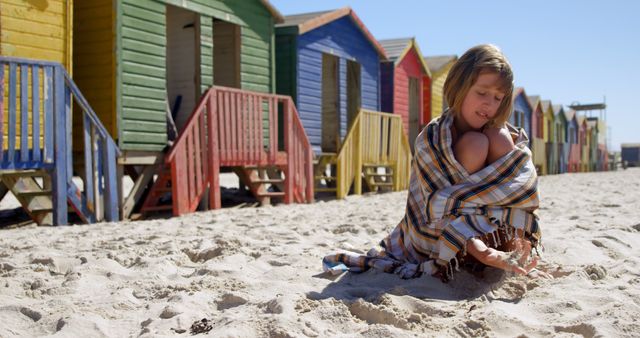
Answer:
(500, 143)
(471, 151)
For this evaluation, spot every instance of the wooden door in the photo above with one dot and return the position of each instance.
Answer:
(330, 113)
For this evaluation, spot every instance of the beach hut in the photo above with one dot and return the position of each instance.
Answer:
(330, 64)
(38, 102)
(561, 138)
(630, 153)
(150, 66)
(571, 139)
(583, 138)
(538, 146)
(522, 111)
(406, 85)
(439, 67)
(592, 144)
(602, 151)
(550, 139)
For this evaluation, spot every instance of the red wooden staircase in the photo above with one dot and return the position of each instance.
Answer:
(258, 135)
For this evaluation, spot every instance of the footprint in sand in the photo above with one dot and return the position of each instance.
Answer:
(595, 272)
(473, 328)
(345, 228)
(230, 300)
(583, 329)
(34, 315)
(203, 255)
(374, 314)
(510, 291)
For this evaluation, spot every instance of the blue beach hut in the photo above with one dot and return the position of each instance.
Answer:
(328, 62)
(521, 115)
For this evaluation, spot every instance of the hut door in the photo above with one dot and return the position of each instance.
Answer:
(181, 63)
(353, 91)
(330, 117)
(226, 54)
(414, 110)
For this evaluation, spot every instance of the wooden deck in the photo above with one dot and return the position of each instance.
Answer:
(245, 130)
(375, 149)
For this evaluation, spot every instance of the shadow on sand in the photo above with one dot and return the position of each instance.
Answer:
(372, 284)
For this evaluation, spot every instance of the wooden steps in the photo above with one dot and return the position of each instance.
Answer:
(160, 189)
(325, 172)
(265, 183)
(35, 199)
(376, 180)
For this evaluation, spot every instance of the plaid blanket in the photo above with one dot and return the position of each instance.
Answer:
(446, 206)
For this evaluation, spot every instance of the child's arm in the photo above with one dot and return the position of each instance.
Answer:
(515, 261)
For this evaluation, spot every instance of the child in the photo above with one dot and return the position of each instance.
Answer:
(473, 188)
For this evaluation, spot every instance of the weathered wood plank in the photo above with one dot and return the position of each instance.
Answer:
(179, 186)
(12, 112)
(110, 181)
(59, 175)
(214, 154)
(88, 163)
(24, 113)
(48, 115)
(68, 130)
(35, 101)
(2, 65)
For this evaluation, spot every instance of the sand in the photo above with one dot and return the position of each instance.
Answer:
(257, 272)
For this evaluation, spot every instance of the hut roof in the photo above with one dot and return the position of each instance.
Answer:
(520, 91)
(557, 108)
(396, 50)
(570, 114)
(276, 14)
(630, 145)
(309, 21)
(534, 100)
(437, 63)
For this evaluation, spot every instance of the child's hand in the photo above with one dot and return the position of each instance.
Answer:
(515, 261)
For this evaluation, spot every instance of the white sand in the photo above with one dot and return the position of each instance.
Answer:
(256, 272)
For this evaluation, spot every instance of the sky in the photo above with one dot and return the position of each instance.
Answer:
(566, 51)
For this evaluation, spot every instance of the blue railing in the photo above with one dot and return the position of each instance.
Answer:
(36, 97)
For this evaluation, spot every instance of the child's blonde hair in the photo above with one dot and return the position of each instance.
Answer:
(464, 73)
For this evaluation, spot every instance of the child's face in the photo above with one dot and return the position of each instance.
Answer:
(482, 101)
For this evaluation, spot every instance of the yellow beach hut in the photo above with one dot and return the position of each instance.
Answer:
(538, 147)
(439, 67)
(549, 134)
(38, 102)
(40, 30)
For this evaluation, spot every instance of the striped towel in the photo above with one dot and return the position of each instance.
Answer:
(446, 206)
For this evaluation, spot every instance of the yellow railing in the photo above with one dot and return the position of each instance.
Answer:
(374, 139)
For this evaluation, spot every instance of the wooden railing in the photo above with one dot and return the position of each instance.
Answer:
(39, 97)
(245, 131)
(299, 181)
(192, 164)
(374, 138)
